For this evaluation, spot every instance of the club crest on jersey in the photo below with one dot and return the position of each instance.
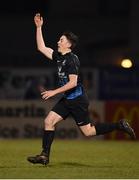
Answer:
(64, 62)
(59, 68)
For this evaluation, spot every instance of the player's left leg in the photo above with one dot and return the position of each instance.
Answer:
(103, 128)
(79, 111)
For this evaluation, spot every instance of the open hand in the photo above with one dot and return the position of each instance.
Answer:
(48, 94)
(38, 20)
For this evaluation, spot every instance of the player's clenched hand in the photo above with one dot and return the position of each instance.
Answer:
(48, 94)
(38, 20)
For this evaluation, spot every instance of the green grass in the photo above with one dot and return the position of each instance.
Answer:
(71, 159)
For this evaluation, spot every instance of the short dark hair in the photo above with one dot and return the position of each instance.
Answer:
(72, 38)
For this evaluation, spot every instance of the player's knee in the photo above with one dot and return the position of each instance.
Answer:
(88, 131)
(88, 134)
(48, 124)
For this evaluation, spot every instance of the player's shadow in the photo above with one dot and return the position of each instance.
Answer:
(75, 164)
(70, 164)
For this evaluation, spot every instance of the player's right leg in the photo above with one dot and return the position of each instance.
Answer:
(58, 113)
(48, 135)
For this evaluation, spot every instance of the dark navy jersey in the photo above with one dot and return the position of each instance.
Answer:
(68, 64)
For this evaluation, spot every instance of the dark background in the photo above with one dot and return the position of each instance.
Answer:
(107, 30)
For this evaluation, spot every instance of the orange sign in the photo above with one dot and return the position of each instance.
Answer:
(116, 110)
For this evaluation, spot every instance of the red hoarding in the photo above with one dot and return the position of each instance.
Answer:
(116, 110)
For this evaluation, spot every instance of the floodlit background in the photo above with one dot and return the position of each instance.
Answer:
(108, 50)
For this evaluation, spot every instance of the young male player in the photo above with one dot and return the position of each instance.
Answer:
(74, 100)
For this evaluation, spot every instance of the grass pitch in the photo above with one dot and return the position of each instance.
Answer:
(70, 159)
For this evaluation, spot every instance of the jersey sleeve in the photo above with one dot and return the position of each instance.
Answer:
(55, 55)
(73, 66)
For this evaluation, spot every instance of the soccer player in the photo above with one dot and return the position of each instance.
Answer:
(74, 100)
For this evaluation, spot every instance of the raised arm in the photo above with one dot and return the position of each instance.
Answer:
(39, 37)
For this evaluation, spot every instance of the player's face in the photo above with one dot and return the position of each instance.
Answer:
(63, 44)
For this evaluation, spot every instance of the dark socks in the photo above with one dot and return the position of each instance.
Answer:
(103, 128)
(47, 140)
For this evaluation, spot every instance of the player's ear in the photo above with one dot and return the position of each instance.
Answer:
(69, 45)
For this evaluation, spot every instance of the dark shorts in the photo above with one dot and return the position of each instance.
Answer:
(77, 108)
